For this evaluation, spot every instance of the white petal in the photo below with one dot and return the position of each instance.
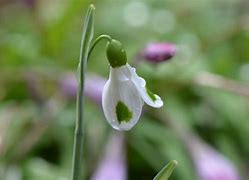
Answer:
(120, 73)
(145, 93)
(119, 87)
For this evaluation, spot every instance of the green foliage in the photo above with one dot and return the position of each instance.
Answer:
(166, 171)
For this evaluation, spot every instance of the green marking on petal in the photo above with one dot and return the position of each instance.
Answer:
(122, 112)
(151, 95)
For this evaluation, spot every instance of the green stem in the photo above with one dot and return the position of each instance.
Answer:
(79, 128)
(103, 36)
(79, 136)
(85, 52)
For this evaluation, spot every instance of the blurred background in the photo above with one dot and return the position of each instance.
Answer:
(205, 87)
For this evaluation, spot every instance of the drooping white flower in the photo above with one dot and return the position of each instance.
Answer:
(125, 92)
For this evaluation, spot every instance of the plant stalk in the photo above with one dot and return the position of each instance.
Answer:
(87, 36)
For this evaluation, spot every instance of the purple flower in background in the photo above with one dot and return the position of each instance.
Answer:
(93, 86)
(210, 164)
(29, 3)
(159, 52)
(113, 165)
(68, 85)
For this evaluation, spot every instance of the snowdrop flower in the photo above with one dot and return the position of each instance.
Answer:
(125, 92)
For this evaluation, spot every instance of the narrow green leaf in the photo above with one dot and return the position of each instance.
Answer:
(87, 36)
(165, 173)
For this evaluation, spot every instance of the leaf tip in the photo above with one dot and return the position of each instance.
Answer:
(174, 162)
(92, 7)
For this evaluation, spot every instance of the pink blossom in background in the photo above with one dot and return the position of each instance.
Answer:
(68, 85)
(93, 86)
(209, 163)
(113, 164)
(159, 52)
(29, 3)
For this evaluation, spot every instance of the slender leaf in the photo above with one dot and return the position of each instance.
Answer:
(87, 35)
(165, 173)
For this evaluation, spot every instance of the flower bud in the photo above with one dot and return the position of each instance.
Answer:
(115, 53)
(159, 52)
